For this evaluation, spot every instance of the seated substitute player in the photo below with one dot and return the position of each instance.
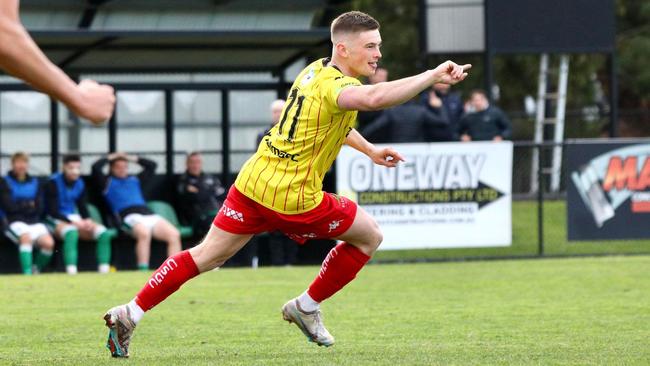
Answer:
(279, 187)
(67, 216)
(20, 197)
(124, 197)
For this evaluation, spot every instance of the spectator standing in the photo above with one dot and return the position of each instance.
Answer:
(410, 122)
(441, 96)
(200, 194)
(452, 102)
(123, 194)
(486, 122)
(20, 196)
(68, 217)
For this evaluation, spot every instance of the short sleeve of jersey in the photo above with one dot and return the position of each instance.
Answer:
(332, 87)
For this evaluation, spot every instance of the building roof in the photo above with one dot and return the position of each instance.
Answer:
(175, 36)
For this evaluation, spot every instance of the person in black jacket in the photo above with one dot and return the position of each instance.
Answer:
(200, 194)
(20, 197)
(410, 122)
(486, 122)
(124, 197)
(441, 96)
(68, 217)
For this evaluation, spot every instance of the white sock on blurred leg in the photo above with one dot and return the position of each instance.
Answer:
(307, 303)
(136, 312)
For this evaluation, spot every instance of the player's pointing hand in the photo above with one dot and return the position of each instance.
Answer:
(451, 73)
(386, 156)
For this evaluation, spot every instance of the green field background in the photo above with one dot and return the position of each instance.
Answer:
(576, 311)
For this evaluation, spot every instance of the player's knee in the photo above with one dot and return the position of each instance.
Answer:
(46, 242)
(376, 236)
(140, 232)
(61, 229)
(379, 238)
(164, 230)
(174, 234)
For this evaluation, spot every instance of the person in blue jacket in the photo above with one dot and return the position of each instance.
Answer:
(68, 216)
(21, 201)
(123, 194)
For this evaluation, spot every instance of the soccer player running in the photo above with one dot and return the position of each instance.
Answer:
(280, 186)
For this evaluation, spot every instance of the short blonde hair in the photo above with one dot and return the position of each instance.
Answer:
(19, 155)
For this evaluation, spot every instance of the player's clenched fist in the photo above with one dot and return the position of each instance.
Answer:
(451, 73)
(96, 102)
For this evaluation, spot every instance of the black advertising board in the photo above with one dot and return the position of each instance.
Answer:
(608, 190)
(550, 25)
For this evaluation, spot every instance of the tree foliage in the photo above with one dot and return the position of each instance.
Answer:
(399, 31)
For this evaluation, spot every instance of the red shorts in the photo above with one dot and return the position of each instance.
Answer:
(331, 218)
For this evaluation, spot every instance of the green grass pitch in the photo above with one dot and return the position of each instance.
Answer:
(578, 311)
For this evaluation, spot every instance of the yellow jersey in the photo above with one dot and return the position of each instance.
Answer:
(286, 173)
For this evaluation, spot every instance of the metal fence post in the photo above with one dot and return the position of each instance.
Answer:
(540, 202)
(225, 136)
(169, 132)
(54, 136)
(112, 130)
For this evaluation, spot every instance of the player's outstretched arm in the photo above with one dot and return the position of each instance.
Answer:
(385, 156)
(391, 93)
(21, 57)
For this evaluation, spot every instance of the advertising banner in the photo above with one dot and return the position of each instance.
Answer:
(608, 193)
(446, 195)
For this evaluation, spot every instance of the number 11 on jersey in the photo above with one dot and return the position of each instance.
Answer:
(296, 101)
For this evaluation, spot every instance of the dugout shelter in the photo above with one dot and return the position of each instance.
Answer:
(189, 75)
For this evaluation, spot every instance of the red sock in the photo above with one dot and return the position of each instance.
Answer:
(168, 278)
(339, 268)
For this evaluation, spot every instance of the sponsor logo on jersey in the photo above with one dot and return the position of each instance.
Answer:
(280, 153)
